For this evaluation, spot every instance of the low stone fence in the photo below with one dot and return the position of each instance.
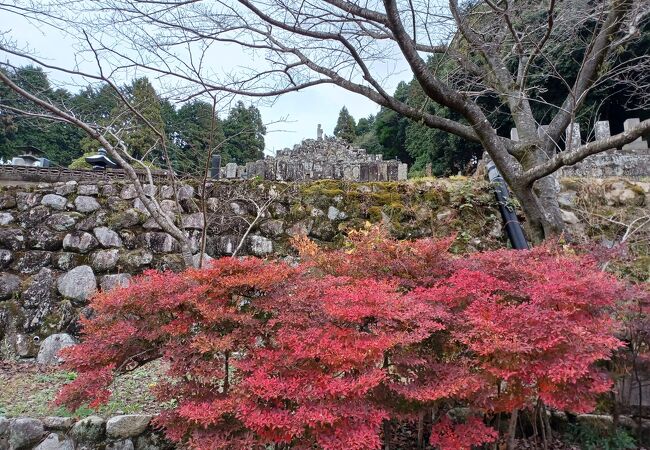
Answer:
(125, 432)
(31, 174)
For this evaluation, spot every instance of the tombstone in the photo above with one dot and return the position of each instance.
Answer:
(319, 133)
(602, 130)
(514, 134)
(241, 172)
(373, 171)
(356, 172)
(215, 166)
(281, 171)
(347, 172)
(270, 169)
(393, 170)
(383, 171)
(573, 138)
(364, 172)
(428, 170)
(258, 169)
(328, 170)
(290, 171)
(317, 171)
(299, 174)
(250, 169)
(639, 143)
(231, 170)
(402, 171)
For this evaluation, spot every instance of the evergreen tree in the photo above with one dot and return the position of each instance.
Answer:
(139, 137)
(244, 132)
(390, 128)
(345, 126)
(365, 125)
(58, 141)
(191, 134)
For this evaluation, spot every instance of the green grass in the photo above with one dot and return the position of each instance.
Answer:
(26, 390)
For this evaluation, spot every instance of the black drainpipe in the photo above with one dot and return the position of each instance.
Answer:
(513, 227)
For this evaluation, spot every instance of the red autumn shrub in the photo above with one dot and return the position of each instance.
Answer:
(324, 353)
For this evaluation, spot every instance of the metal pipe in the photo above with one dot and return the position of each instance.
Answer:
(513, 227)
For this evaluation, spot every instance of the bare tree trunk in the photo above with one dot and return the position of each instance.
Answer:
(512, 429)
(421, 429)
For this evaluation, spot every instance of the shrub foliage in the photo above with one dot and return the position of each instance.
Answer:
(326, 352)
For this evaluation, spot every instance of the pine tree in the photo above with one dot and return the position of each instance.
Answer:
(139, 137)
(190, 133)
(244, 133)
(345, 126)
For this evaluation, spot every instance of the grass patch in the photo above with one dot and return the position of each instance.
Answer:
(28, 390)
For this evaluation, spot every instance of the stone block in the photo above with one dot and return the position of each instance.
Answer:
(58, 423)
(638, 143)
(107, 238)
(159, 242)
(108, 282)
(42, 238)
(79, 241)
(194, 221)
(128, 192)
(127, 426)
(260, 246)
(24, 433)
(32, 261)
(86, 204)
(104, 260)
(63, 221)
(402, 172)
(88, 189)
(77, 284)
(12, 238)
(9, 285)
(27, 200)
(573, 138)
(48, 353)
(5, 258)
(90, 430)
(231, 170)
(54, 201)
(56, 441)
(602, 130)
(67, 188)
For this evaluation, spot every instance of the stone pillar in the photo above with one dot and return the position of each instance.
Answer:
(215, 166)
(602, 130)
(639, 143)
(572, 136)
(364, 172)
(383, 171)
(402, 172)
(514, 134)
(393, 170)
(356, 172)
(231, 170)
(347, 173)
(319, 133)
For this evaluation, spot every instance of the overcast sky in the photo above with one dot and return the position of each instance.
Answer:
(302, 110)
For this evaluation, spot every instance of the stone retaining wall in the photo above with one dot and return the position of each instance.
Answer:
(125, 432)
(59, 243)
